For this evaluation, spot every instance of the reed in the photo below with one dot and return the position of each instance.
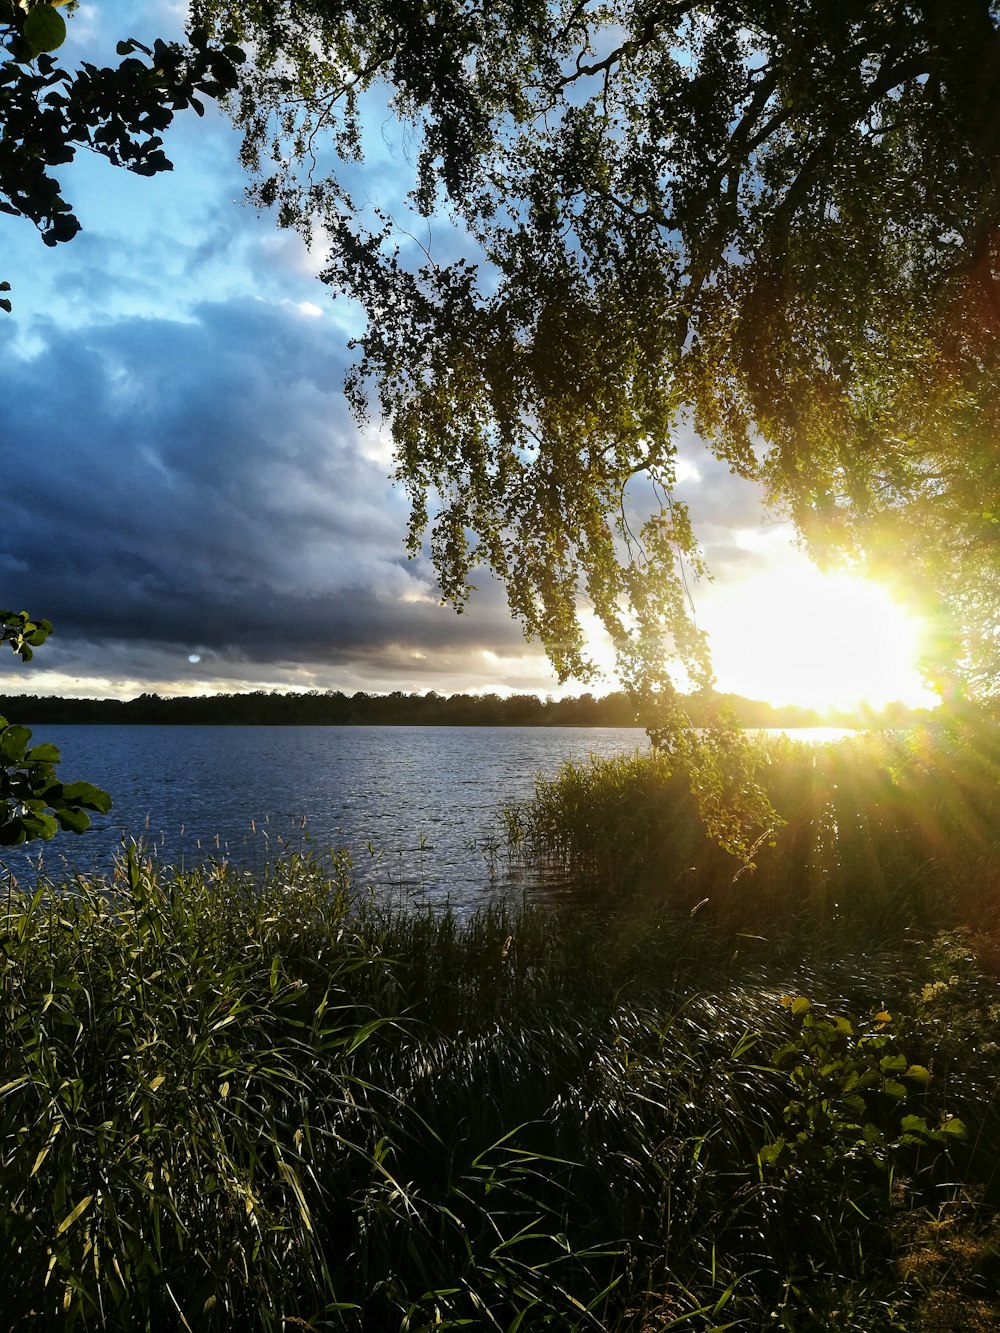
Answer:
(881, 834)
(226, 1105)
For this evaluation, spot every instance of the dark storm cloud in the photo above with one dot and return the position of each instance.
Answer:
(198, 487)
(202, 486)
(192, 484)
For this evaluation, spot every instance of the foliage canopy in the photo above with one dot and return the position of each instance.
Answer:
(775, 222)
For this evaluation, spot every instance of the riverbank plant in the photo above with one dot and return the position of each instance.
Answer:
(225, 1106)
(878, 834)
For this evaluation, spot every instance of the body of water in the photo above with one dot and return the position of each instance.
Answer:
(414, 806)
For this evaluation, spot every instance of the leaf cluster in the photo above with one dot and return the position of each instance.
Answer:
(34, 803)
(48, 113)
(848, 1080)
(22, 633)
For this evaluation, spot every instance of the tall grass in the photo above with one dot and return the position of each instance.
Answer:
(225, 1105)
(881, 833)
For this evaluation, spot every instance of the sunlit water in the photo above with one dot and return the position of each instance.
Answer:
(415, 807)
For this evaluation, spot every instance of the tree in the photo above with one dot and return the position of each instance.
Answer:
(119, 112)
(776, 219)
(46, 115)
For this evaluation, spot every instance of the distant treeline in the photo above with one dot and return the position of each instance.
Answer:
(333, 709)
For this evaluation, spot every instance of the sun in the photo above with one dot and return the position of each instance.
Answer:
(799, 636)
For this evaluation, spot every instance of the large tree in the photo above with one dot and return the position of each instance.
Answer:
(774, 219)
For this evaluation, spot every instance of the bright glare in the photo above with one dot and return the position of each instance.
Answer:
(820, 640)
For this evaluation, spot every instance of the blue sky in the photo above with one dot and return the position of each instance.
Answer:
(189, 499)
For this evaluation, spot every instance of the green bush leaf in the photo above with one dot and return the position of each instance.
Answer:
(43, 754)
(77, 821)
(13, 743)
(44, 29)
(955, 1127)
(771, 1153)
(892, 1064)
(85, 793)
(918, 1074)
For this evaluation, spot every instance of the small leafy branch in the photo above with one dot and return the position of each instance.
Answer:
(33, 802)
(22, 633)
(119, 112)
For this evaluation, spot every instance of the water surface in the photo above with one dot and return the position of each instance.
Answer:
(414, 806)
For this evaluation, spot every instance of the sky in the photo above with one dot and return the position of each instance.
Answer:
(192, 505)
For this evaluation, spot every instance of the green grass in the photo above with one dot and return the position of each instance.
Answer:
(232, 1105)
(880, 834)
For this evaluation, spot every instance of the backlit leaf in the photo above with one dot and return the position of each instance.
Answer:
(44, 29)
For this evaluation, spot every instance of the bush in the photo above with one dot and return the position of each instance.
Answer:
(882, 834)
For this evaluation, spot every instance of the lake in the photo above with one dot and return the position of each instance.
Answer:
(414, 806)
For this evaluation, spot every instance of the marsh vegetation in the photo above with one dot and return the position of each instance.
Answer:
(226, 1106)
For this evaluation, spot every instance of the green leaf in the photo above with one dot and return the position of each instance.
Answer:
(13, 743)
(364, 1032)
(784, 1053)
(81, 1207)
(913, 1124)
(85, 793)
(43, 754)
(77, 821)
(39, 826)
(892, 1064)
(44, 29)
(771, 1153)
(895, 1089)
(918, 1074)
(955, 1127)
